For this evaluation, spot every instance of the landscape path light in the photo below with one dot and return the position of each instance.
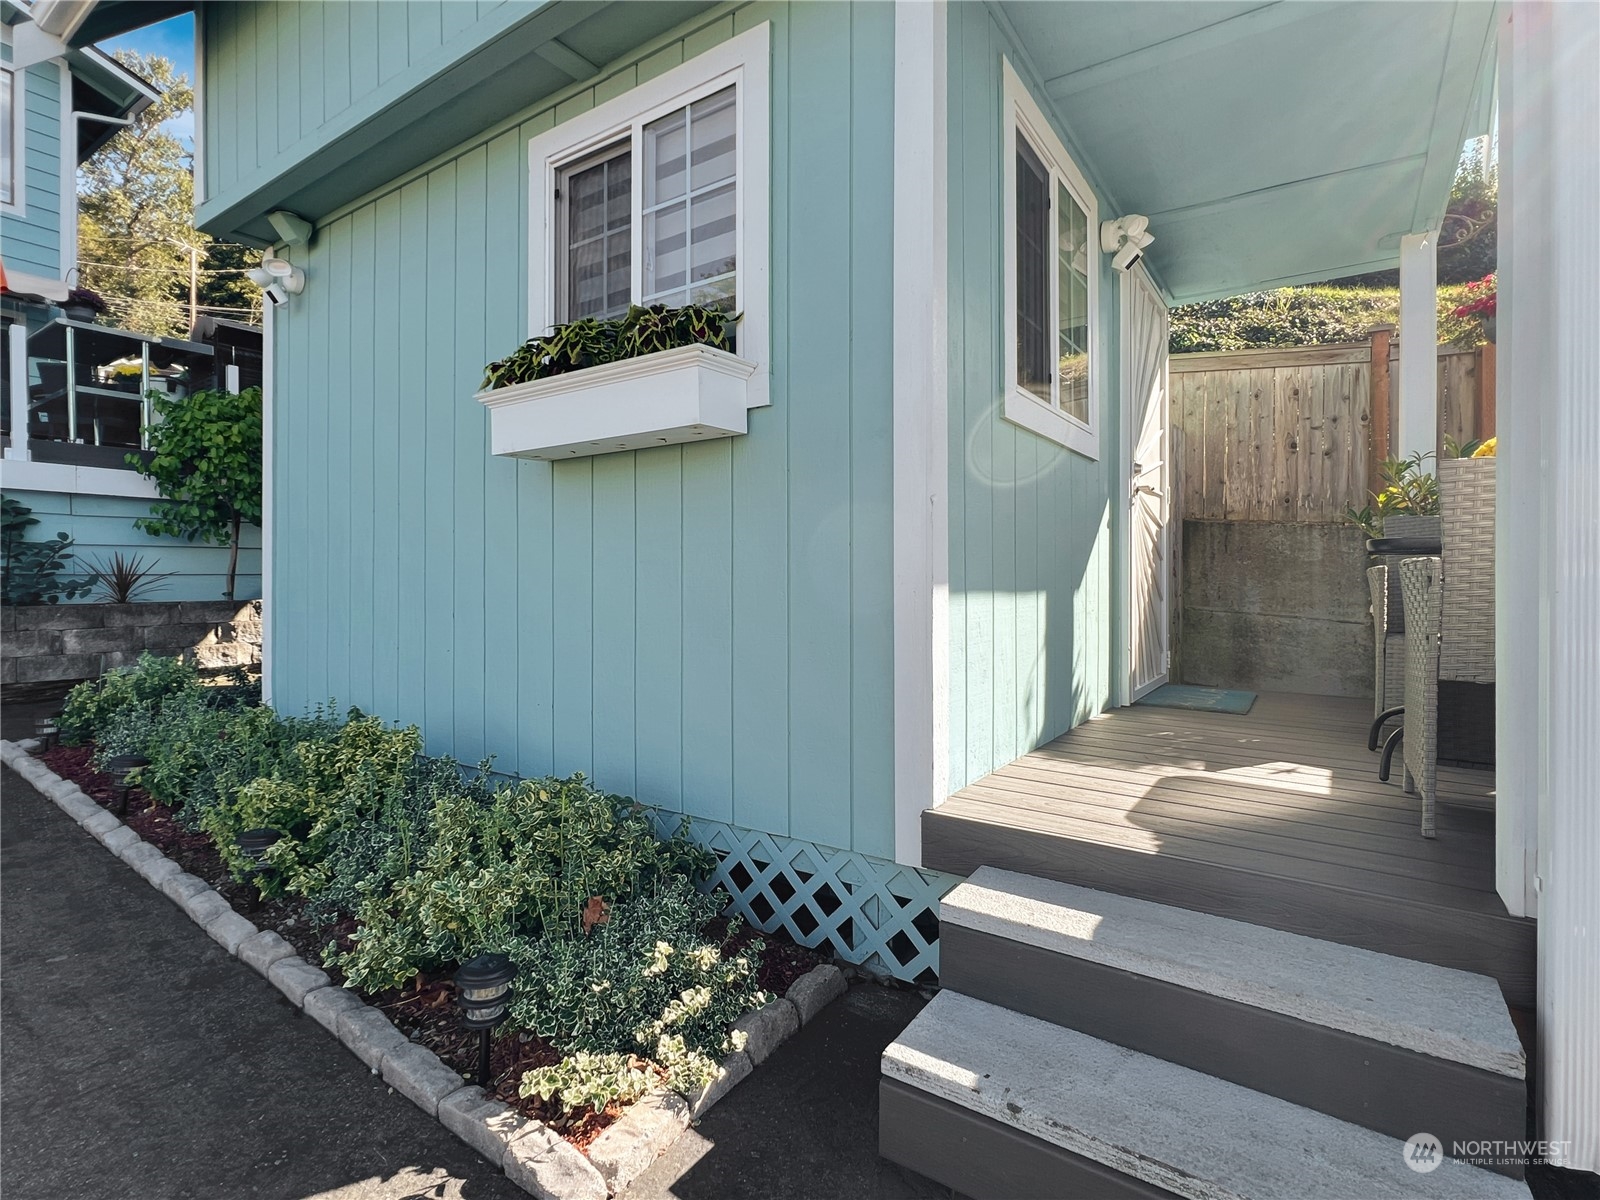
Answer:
(483, 990)
(253, 845)
(118, 767)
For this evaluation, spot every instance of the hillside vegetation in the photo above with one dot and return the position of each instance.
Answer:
(1307, 316)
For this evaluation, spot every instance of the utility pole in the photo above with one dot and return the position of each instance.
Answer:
(194, 288)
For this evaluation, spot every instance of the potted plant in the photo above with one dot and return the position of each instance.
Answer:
(655, 376)
(83, 304)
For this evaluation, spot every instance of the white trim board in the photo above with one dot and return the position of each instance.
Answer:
(269, 382)
(33, 476)
(1019, 111)
(921, 421)
(17, 206)
(744, 60)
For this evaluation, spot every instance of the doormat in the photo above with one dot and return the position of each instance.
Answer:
(1204, 699)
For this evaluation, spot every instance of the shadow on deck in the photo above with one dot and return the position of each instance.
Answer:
(1276, 817)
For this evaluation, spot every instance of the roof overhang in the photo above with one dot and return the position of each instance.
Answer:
(1268, 143)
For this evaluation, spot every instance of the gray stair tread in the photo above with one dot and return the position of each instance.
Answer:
(1444, 1013)
(1195, 1135)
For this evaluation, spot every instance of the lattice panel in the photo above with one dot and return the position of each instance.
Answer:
(878, 914)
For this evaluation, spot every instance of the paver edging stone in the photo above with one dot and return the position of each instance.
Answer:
(532, 1155)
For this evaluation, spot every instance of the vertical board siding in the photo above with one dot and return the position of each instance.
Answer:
(101, 526)
(283, 69)
(705, 627)
(32, 241)
(1030, 524)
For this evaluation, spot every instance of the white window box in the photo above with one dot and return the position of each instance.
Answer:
(689, 394)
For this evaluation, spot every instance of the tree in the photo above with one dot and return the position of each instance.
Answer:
(136, 219)
(207, 466)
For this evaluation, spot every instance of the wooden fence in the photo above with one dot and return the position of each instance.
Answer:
(1295, 434)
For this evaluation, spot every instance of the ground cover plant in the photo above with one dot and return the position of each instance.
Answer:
(392, 868)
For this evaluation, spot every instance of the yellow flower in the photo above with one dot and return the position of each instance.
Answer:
(1487, 449)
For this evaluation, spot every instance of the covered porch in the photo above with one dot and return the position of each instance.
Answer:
(1276, 817)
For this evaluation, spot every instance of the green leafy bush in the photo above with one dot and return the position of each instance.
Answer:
(210, 743)
(323, 785)
(368, 857)
(585, 1080)
(646, 974)
(150, 683)
(33, 572)
(523, 864)
(591, 341)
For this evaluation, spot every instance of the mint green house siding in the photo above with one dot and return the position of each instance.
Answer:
(1031, 524)
(32, 236)
(101, 526)
(707, 628)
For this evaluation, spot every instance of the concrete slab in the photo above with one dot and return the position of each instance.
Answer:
(1433, 1010)
(1194, 1135)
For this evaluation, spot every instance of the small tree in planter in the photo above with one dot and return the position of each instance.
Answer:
(207, 465)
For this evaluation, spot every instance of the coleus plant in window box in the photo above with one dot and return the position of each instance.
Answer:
(656, 376)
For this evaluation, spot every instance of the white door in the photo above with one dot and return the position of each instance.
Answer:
(1149, 495)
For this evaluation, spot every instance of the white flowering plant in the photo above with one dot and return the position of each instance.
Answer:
(646, 982)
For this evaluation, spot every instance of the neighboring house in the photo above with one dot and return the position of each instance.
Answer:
(78, 414)
(919, 533)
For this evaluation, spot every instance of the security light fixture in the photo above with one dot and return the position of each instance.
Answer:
(119, 767)
(483, 990)
(1125, 239)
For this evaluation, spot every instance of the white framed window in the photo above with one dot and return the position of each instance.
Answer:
(661, 196)
(13, 126)
(1052, 281)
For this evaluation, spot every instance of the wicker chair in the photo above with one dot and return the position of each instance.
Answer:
(1449, 616)
(1419, 584)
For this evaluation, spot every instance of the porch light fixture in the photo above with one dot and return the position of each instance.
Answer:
(1126, 239)
(119, 767)
(483, 990)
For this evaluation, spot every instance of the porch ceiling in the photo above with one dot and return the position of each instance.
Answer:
(1268, 143)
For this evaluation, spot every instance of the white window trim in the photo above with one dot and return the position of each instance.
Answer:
(745, 61)
(1022, 407)
(17, 206)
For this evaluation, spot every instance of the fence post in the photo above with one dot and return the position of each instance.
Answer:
(1382, 421)
(1483, 424)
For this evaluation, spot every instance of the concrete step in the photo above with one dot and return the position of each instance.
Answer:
(997, 1104)
(1388, 1043)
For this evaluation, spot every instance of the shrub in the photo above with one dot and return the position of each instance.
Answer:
(369, 857)
(521, 865)
(321, 786)
(586, 1080)
(211, 742)
(646, 973)
(150, 683)
(32, 572)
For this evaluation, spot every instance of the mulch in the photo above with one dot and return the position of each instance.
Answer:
(425, 1009)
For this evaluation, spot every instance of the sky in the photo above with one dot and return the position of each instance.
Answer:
(174, 39)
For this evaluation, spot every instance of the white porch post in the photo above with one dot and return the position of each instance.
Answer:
(17, 332)
(921, 416)
(1548, 594)
(1419, 344)
(269, 358)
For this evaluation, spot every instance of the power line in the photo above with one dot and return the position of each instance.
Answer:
(184, 271)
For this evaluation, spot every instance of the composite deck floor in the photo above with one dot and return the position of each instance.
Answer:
(1238, 814)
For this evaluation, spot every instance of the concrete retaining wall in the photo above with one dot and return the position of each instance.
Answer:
(1273, 606)
(45, 646)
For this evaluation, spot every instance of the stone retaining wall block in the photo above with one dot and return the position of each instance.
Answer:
(767, 1028)
(294, 977)
(418, 1074)
(369, 1035)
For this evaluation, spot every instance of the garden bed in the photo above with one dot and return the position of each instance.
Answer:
(425, 1011)
(635, 1004)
